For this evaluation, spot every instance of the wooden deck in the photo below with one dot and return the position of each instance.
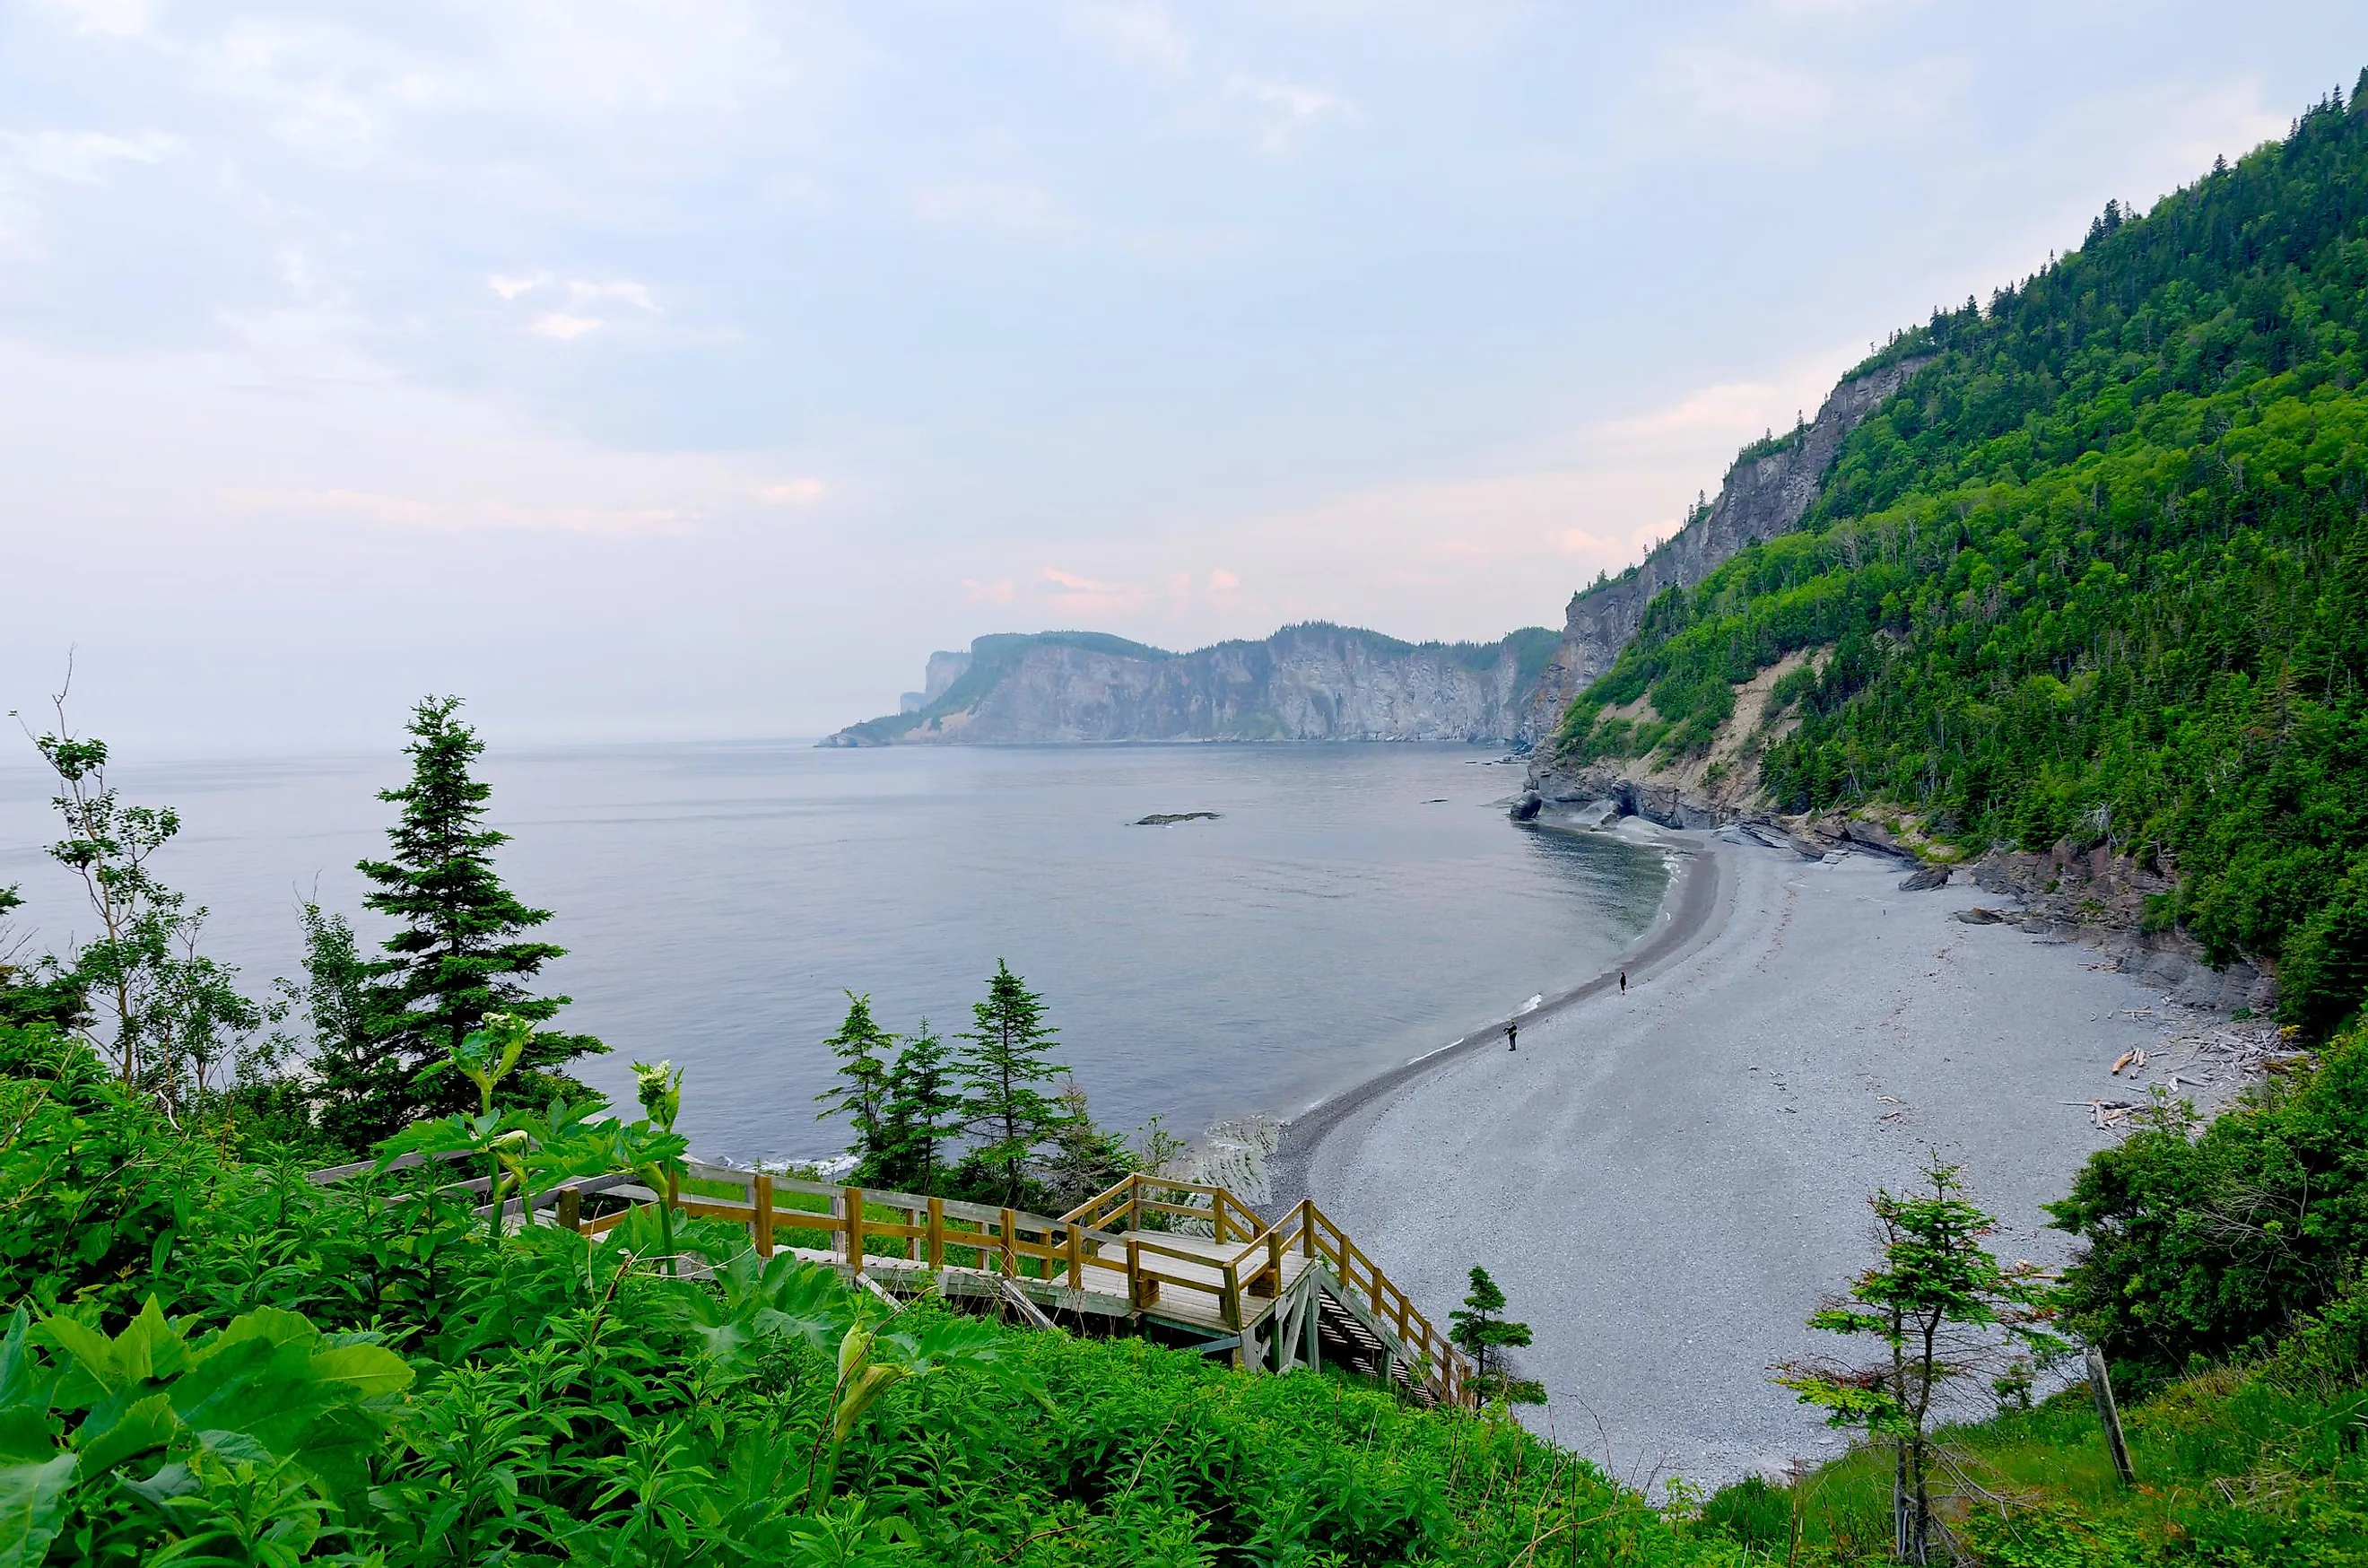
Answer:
(1188, 1262)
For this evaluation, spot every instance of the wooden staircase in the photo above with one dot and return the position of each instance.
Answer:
(1186, 1262)
(1183, 1261)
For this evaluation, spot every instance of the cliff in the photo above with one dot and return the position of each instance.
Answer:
(1770, 489)
(1314, 682)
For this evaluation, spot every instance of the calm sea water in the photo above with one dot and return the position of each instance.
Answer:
(1352, 906)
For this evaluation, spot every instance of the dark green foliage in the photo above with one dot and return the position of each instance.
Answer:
(924, 1118)
(172, 1021)
(32, 991)
(860, 1094)
(1480, 1328)
(359, 1373)
(2213, 1247)
(1084, 1160)
(1006, 1056)
(355, 1080)
(1753, 1512)
(2099, 571)
(461, 952)
(1938, 1305)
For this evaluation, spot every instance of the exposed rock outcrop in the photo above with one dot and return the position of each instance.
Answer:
(1314, 682)
(1763, 496)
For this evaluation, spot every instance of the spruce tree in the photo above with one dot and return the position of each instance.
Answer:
(355, 1080)
(1005, 1058)
(860, 1092)
(1478, 1328)
(924, 1116)
(461, 951)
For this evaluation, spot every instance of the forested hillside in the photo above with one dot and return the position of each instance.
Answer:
(2100, 572)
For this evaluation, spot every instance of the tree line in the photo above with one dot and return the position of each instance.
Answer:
(365, 1044)
(2097, 573)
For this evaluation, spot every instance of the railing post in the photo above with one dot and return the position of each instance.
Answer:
(936, 1237)
(1307, 1227)
(1229, 1304)
(1137, 1297)
(851, 1199)
(1077, 1256)
(571, 1209)
(761, 1193)
(1010, 1226)
(1134, 1201)
(1274, 1261)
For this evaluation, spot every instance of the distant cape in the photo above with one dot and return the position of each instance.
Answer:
(1310, 682)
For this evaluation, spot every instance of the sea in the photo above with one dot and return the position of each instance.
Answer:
(1348, 908)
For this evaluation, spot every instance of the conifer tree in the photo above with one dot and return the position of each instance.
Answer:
(860, 1091)
(924, 1116)
(1005, 1060)
(461, 953)
(1084, 1159)
(355, 1080)
(1478, 1328)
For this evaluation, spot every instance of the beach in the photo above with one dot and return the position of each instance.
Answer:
(1667, 1181)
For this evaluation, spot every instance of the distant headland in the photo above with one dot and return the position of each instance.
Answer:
(1310, 682)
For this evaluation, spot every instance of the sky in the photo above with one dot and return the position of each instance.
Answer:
(692, 369)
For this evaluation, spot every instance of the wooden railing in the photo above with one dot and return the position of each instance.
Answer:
(1133, 1230)
(1256, 1269)
(1142, 1202)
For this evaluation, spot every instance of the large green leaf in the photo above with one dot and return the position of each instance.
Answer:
(32, 1508)
(26, 1391)
(104, 1441)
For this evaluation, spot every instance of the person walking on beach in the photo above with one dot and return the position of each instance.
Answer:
(1512, 1037)
(1624, 983)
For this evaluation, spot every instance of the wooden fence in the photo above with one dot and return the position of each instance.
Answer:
(1182, 1252)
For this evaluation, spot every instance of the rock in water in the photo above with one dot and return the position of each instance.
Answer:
(1926, 878)
(1526, 809)
(1161, 819)
(1977, 915)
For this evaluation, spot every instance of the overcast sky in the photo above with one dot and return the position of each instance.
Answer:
(694, 368)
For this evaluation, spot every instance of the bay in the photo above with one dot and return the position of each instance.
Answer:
(1350, 907)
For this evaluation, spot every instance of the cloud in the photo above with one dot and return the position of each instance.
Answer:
(1000, 591)
(565, 327)
(1749, 87)
(1136, 31)
(988, 204)
(1070, 583)
(464, 516)
(633, 293)
(110, 18)
(511, 288)
(1286, 111)
(793, 493)
(81, 156)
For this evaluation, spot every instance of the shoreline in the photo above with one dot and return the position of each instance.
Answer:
(1694, 909)
(1665, 1182)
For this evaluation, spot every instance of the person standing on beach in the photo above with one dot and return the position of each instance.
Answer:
(1512, 1037)
(1624, 983)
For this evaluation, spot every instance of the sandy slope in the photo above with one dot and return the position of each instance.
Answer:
(1665, 1182)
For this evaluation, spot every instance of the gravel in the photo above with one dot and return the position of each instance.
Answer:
(1666, 1182)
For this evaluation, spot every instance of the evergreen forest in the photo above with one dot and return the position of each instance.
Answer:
(2098, 572)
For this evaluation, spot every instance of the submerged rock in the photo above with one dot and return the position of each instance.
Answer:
(1161, 819)
(1925, 880)
(1977, 915)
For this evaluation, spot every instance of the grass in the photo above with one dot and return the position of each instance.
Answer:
(2233, 1468)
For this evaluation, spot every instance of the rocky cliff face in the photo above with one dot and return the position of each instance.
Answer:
(1306, 683)
(1763, 496)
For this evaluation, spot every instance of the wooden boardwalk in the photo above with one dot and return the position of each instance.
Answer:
(1188, 1263)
